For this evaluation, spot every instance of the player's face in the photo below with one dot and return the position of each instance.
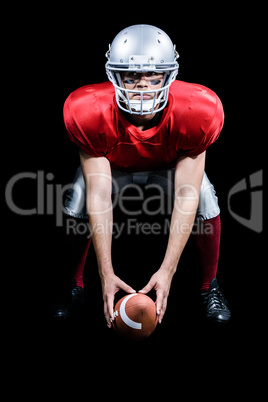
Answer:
(142, 82)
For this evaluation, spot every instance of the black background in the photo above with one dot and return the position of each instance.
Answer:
(53, 53)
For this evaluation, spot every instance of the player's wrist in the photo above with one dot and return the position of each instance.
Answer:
(169, 267)
(106, 271)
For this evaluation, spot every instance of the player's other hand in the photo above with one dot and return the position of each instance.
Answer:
(110, 286)
(160, 282)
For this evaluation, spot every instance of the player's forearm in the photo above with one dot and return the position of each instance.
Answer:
(188, 178)
(101, 223)
(181, 225)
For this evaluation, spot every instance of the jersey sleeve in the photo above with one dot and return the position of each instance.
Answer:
(82, 129)
(206, 132)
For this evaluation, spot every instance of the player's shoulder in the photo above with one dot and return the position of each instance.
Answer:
(193, 96)
(86, 113)
(89, 107)
(81, 99)
(196, 106)
(197, 115)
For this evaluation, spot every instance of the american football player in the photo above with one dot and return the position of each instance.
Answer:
(145, 126)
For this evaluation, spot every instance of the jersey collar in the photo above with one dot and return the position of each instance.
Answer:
(146, 134)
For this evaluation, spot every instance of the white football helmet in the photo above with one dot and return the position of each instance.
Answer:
(142, 48)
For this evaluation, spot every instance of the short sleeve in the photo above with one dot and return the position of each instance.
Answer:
(81, 131)
(207, 133)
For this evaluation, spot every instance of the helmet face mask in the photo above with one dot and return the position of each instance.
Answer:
(142, 49)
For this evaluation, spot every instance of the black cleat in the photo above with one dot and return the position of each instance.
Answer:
(78, 295)
(77, 299)
(214, 305)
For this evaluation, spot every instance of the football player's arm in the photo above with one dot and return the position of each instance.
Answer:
(98, 179)
(188, 178)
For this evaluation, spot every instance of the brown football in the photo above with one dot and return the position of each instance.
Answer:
(135, 316)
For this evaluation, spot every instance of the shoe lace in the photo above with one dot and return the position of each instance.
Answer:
(215, 299)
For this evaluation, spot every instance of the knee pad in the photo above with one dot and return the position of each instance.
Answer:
(75, 201)
(208, 206)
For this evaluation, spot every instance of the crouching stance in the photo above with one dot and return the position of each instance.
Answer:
(140, 126)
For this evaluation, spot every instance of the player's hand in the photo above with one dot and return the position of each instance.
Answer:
(110, 286)
(160, 282)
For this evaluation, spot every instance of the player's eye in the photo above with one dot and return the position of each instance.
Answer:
(155, 78)
(150, 74)
(155, 82)
(128, 81)
(130, 78)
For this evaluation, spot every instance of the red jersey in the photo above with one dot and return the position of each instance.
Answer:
(191, 122)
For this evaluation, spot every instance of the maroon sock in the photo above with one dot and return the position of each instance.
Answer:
(80, 261)
(208, 245)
